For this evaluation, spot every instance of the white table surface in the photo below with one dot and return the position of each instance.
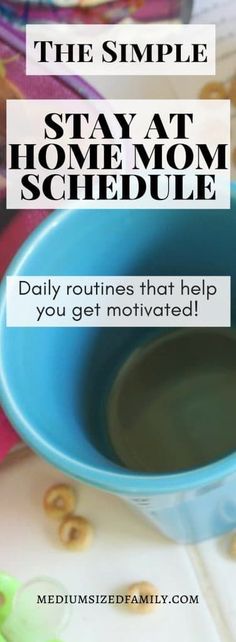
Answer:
(126, 549)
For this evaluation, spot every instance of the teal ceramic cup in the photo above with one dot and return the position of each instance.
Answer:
(55, 381)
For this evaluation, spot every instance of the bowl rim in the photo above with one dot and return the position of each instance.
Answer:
(119, 481)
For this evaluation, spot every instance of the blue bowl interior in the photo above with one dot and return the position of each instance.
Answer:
(56, 380)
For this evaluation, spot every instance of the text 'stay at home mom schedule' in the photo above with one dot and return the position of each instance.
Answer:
(117, 314)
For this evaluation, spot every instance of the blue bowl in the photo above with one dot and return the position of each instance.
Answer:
(54, 381)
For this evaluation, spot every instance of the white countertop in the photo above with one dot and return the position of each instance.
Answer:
(126, 549)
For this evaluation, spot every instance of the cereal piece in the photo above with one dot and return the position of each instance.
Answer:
(59, 500)
(7, 90)
(231, 93)
(76, 533)
(213, 90)
(144, 590)
(234, 156)
(232, 547)
(2, 183)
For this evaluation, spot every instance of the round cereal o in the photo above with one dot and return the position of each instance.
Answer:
(59, 500)
(234, 156)
(76, 533)
(232, 91)
(145, 591)
(213, 90)
(232, 547)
